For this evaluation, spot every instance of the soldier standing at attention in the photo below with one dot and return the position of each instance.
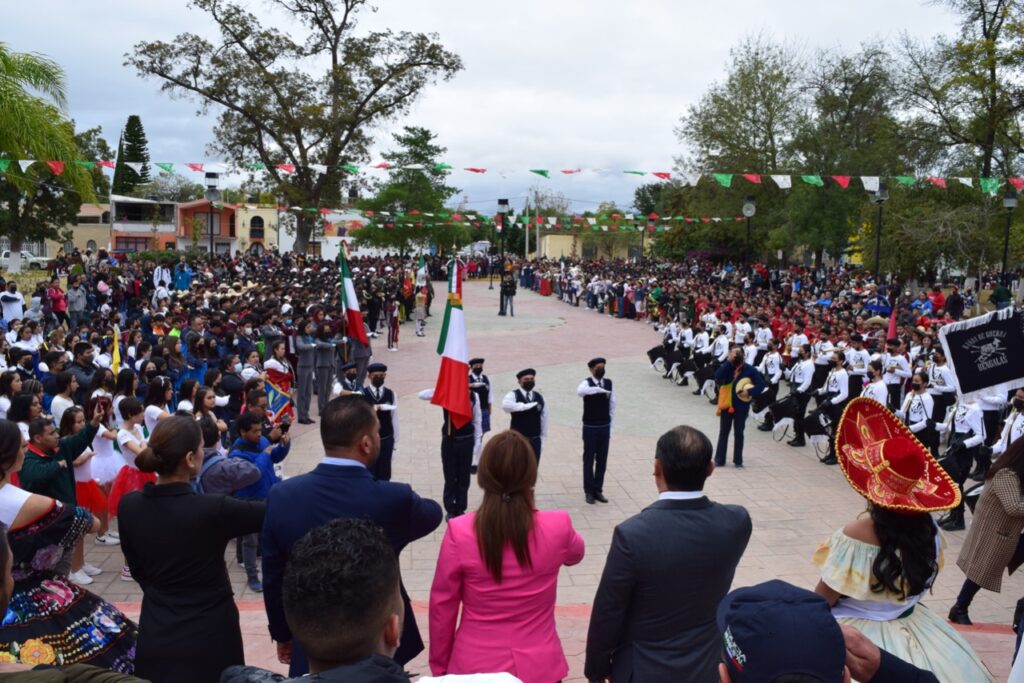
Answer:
(529, 414)
(598, 413)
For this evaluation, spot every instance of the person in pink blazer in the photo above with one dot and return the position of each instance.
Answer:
(500, 564)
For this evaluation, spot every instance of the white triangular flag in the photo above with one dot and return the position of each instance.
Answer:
(414, 167)
(717, 219)
(429, 215)
(25, 163)
(319, 168)
(605, 228)
(969, 182)
(784, 182)
(134, 165)
(591, 220)
(552, 220)
(870, 182)
(691, 179)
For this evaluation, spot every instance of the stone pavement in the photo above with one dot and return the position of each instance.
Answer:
(795, 502)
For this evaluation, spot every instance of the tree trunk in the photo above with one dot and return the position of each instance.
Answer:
(14, 262)
(302, 232)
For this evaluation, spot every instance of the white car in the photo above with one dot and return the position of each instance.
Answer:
(28, 261)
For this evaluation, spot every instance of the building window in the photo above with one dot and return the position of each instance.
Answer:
(69, 247)
(256, 222)
(91, 245)
(170, 246)
(231, 225)
(106, 217)
(87, 220)
(135, 244)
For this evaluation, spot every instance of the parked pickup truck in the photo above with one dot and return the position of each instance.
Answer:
(28, 261)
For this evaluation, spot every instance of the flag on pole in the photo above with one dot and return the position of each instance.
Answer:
(115, 359)
(350, 301)
(451, 391)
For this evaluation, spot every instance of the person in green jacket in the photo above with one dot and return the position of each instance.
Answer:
(1001, 296)
(49, 468)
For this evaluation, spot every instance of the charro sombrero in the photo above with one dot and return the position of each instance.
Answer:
(744, 383)
(885, 463)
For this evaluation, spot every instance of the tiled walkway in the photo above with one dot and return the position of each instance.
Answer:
(795, 502)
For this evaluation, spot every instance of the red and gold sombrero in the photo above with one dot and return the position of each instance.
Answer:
(885, 463)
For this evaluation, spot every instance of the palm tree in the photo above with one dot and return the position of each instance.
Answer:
(33, 96)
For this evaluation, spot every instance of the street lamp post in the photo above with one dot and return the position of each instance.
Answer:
(749, 210)
(881, 195)
(1009, 203)
(503, 214)
(212, 195)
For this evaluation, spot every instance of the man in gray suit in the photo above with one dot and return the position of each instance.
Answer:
(667, 569)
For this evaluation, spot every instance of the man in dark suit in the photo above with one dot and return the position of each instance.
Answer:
(668, 567)
(734, 419)
(340, 486)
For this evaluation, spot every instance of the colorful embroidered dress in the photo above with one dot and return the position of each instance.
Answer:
(51, 620)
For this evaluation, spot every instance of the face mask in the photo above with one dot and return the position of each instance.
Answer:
(599, 373)
(247, 330)
(478, 369)
(917, 387)
(528, 385)
(377, 382)
(351, 376)
(737, 361)
(238, 367)
(1018, 404)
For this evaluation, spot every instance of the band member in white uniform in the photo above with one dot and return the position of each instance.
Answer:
(941, 384)
(917, 412)
(875, 389)
(897, 371)
(966, 438)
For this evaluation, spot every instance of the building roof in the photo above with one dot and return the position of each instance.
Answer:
(122, 199)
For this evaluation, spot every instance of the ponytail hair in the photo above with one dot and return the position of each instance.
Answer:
(172, 439)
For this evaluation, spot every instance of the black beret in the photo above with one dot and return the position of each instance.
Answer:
(377, 367)
(523, 373)
(594, 362)
(476, 361)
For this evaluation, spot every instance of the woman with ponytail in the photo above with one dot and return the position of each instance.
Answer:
(174, 541)
(500, 564)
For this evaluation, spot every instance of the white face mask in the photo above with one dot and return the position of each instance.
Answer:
(238, 367)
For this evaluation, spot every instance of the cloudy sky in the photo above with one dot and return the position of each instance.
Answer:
(552, 84)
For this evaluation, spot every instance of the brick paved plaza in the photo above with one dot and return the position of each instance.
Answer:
(795, 502)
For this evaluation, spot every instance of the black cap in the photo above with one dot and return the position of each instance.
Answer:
(348, 366)
(595, 362)
(376, 367)
(524, 372)
(476, 361)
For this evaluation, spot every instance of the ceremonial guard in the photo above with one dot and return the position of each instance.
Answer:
(457, 445)
(529, 414)
(347, 374)
(598, 414)
(324, 360)
(384, 401)
(480, 384)
(965, 440)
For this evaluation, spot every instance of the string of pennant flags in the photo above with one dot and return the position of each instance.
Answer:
(783, 181)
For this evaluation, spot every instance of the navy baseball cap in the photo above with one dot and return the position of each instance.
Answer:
(775, 629)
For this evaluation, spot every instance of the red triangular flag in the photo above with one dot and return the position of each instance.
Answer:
(56, 166)
(105, 163)
(937, 182)
(287, 168)
(663, 175)
(382, 164)
(753, 177)
(414, 212)
(198, 168)
(1018, 183)
(570, 171)
(325, 211)
(705, 220)
(688, 219)
(473, 169)
(842, 180)
(653, 216)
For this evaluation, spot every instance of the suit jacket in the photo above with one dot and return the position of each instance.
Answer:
(727, 373)
(305, 352)
(668, 568)
(507, 626)
(301, 503)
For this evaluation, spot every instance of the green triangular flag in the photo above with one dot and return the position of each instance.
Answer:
(905, 179)
(442, 167)
(165, 166)
(351, 168)
(636, 172)
(541, 172)
(813, 180)
(4, 165)
(86, 164)
(989, 185)
(724, 179)
(678, 218)
(254, 166)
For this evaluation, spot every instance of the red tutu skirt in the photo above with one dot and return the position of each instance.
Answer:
(128, 479)
(90, 496)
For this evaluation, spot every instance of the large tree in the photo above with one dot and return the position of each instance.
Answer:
(304, 101)
(132, 148)
(36, 203)
(417, 183)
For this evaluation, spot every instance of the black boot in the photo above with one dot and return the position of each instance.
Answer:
(797, 441)
(766, 426)
(955, 521)
(958, 615)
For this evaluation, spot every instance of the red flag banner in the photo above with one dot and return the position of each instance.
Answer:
(56, 166)
(937, 182)
(753, 177)
(662, 174)
(842, 180)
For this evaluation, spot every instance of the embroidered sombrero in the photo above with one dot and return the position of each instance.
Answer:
(885, 463)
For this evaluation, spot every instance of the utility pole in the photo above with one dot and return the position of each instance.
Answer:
(536, 204)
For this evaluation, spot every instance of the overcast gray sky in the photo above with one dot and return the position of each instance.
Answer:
(595, 84)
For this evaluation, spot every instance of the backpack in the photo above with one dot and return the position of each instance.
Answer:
(197, 485)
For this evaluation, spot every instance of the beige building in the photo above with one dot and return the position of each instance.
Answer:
(594, 246)
(91, 230)
(257, 228)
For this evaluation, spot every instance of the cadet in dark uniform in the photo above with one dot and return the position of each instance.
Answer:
(598, 413)
(529, 414)
(480, 384)
(457, 446)
(384, 401)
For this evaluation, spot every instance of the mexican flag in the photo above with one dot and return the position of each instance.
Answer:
(452, 389)
(350, 302)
